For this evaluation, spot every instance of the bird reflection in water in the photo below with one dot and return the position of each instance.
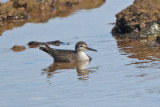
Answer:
(81, 67)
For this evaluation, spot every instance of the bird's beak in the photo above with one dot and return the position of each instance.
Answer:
(90, 49)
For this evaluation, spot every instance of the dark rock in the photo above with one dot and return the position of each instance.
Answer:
(56, 43)
(68, 4)
(33, 44)
(158, 39)
(138, 17)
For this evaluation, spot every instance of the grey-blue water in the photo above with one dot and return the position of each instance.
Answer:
(2, 1)
(114, 79)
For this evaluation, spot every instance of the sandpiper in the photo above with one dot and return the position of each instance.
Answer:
(76, 55)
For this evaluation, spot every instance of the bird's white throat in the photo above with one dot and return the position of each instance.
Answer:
(82, 56)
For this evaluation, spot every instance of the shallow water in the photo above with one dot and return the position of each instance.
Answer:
(120, 74)
(2, 1)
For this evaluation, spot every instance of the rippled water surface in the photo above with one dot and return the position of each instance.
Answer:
(123, 73)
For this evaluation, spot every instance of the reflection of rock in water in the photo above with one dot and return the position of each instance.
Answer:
(81, 68)
(18, 12)
(145, 50)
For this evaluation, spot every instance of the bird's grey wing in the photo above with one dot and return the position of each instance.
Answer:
(64, 55)
(59, 55)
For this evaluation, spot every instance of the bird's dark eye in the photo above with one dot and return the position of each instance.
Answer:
(81, 46)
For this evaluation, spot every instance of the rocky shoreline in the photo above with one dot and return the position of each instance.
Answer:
(141, 19)
(15, 13)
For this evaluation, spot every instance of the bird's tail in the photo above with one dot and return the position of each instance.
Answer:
(48, 50)
(43, 49)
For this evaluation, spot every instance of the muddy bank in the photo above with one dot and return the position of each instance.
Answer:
(15, 13)
(141, 18)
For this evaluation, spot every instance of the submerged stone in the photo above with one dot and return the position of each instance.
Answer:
(33, 44)
(18, 48)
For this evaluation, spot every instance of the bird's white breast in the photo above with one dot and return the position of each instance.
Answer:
(82, 56)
